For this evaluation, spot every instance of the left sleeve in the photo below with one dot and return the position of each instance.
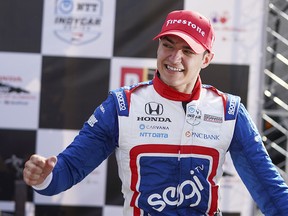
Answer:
(256, 169)
(95, 142)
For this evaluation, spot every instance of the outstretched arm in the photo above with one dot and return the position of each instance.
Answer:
(256, 169)
(95, 142)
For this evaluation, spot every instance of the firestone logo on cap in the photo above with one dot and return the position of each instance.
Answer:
(187, 23)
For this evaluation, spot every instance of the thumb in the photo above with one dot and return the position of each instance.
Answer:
(52, 161)
(49, 166)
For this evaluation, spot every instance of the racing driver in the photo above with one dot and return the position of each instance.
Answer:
(170, 136)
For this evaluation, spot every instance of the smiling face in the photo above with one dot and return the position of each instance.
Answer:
(178, 65)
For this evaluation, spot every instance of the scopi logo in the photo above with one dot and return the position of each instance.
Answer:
(153, 108)
(78, 21)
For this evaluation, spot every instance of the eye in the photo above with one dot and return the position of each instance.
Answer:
(167, 45)
(188, 52)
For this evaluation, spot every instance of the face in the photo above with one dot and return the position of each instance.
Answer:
(178, 65)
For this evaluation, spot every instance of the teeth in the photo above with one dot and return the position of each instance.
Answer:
(174, 69)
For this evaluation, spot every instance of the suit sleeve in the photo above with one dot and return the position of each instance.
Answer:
(256, 169)
(97, 139)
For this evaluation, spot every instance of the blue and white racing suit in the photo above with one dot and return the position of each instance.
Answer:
(170, 148)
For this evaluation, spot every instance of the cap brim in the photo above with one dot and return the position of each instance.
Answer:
(195, 46)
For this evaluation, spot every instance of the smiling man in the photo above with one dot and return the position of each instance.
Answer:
(178, 65)
(170, 135)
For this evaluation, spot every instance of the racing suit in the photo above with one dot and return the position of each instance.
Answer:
(170, 148)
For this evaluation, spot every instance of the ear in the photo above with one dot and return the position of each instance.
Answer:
(207, 58)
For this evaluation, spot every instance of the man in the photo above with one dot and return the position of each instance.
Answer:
(170, 135)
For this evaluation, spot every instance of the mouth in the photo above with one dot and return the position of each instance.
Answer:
(174, 69)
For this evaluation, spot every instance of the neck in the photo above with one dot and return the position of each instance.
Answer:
(170, 93)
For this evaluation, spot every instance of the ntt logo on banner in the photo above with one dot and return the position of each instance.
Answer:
(79, 21)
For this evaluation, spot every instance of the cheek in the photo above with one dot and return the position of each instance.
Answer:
(159, 54)
(158, 50)
(162, 53)
(194, 69)
(159, 64)
(160, 58)
(196, 64)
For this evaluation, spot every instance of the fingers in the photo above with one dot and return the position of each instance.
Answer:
(37, 168)
(33, 170)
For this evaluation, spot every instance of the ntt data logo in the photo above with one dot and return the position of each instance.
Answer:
(78, 21)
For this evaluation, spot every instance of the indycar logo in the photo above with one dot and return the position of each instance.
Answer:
(193, 116)
(78, 22)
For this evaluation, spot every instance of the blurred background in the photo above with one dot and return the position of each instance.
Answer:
(59, 59)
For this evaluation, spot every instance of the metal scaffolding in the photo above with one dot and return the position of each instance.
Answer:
(275, 88)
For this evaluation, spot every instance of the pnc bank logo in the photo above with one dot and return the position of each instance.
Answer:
(153, 108)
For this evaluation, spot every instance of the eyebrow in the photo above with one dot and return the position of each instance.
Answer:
(173, 42)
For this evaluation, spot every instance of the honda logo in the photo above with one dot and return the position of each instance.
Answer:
(153, 108)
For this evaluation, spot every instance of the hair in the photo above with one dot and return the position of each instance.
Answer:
(205, 52)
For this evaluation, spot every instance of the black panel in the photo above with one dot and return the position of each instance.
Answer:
(137, 23)
(71, 89)
(16, 148)
(20, 25)
(42, 210)
(232, 79)
(231, 214)
(113, 189)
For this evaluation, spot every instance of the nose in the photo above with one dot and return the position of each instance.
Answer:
(176, 56)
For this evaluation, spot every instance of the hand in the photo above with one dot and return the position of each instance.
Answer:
(37, 168)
